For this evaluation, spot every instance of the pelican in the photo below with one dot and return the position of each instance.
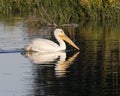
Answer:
(44, 45)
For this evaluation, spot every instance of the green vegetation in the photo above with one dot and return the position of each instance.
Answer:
(64, 11)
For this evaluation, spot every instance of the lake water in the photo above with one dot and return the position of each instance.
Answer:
(94, 71)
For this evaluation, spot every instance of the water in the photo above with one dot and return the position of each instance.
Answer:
(94, 71)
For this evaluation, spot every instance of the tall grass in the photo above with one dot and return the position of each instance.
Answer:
(64, 11)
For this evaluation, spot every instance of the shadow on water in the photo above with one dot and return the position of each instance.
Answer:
(94, 71)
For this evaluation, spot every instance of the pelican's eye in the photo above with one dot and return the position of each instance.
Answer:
(61, 32)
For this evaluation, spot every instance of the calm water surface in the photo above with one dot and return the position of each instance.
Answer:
(94, 71)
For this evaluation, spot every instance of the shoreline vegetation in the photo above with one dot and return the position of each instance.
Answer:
(63, 11)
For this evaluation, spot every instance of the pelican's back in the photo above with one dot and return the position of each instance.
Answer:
(41, 45)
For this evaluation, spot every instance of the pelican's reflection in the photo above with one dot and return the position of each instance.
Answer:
(63, 64)
(57, 58)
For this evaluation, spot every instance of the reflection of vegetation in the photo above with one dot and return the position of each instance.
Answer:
(62, 10)
(102, 53)
(11, 21)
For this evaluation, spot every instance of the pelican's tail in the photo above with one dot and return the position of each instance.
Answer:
(27, 47)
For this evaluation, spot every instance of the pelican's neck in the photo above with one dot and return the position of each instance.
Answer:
(62, 45)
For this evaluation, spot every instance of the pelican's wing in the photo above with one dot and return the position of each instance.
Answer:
(43, 45)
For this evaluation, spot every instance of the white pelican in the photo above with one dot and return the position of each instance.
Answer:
(44, 45)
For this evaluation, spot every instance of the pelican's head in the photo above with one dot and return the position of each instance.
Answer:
(60, 33)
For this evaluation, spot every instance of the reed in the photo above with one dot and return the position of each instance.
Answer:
(62, 11)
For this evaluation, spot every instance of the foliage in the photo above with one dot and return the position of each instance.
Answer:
(62, 10)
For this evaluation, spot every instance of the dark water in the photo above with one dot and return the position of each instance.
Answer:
(94, 71)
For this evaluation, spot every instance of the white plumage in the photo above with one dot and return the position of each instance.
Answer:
(44, 45)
